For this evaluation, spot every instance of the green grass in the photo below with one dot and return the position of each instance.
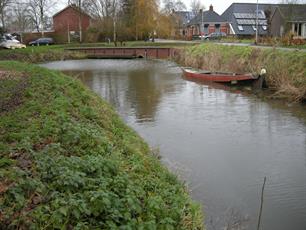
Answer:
(39, 54)
(252, 41)
(237, 40)
(67, 161)
(296, 46)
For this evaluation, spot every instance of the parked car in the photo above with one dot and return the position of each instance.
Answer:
(197, 37)
(42, 41)
(214, 36)
(11, 44)
(10, 37)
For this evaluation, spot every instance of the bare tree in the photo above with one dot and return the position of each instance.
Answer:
(34, 14)
(196, 6)
(19, 18)
(3, 5)
(38, 10)
(173, 5)
(106, 11)
(102, 8)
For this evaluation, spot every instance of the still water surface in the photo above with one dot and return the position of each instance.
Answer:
(221, 143)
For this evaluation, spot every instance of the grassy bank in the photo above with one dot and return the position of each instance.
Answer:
(67, 161)
(286, 71)
(39, 54)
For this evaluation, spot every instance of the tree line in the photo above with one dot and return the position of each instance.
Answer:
(114, 19)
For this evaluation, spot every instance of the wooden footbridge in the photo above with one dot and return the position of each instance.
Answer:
(126, 52)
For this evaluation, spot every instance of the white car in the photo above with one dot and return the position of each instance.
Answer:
(10, 37)
(10, 44)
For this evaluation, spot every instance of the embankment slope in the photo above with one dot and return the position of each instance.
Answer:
(67, 161)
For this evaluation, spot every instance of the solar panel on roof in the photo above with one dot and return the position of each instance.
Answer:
(251, 22)
(249, 15)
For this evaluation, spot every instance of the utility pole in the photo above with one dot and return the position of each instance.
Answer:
(80, 20)
(202, 26)
(115, 31)
(256, 36)
(68, 32)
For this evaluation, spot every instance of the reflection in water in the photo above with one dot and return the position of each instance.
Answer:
(138, 90)
(145, 93)
(221, 142)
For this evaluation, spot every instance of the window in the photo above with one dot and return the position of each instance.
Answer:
(297, 29)
(217, 28)
(261, 14)
(300, 29)
(281, 31)
(206, 28)
(254, 28)
(240, 27)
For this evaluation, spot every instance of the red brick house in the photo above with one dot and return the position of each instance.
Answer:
(207, 22)
(66, 23)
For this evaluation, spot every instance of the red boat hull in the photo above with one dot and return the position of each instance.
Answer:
(218, 77)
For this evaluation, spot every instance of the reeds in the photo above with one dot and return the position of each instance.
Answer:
(286, 70)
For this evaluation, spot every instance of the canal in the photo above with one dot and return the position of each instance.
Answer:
(222, 143)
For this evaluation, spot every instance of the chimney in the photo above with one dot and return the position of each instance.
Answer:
(201, 11)
(211, 8)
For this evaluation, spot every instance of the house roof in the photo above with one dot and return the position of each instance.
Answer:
(207, 16)
(242, 17)
(244, 14)
(73, 7)
(184, 16)
(293, 12)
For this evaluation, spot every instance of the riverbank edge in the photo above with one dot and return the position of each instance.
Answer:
(40, 54)
(286, 71)
(68, 160)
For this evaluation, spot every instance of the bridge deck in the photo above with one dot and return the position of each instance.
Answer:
(126, 52)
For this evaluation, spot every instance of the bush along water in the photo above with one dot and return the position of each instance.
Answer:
(286, 70)
(67, 161)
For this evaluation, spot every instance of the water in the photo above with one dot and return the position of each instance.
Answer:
(221, 143)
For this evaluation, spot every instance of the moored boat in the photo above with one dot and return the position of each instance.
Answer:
(220, 77)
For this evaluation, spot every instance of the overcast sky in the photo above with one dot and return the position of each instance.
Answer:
(219, 5)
